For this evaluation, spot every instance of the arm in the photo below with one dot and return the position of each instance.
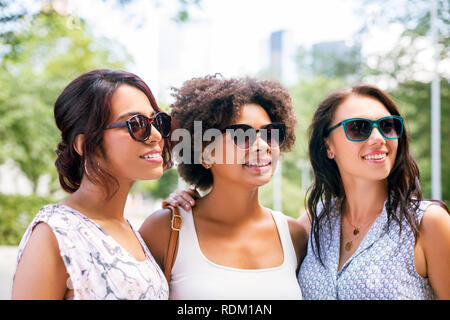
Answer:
(156, 228)
(155, 231)
(305, 220)
(41, 273)
(434, 238)
(299, 236)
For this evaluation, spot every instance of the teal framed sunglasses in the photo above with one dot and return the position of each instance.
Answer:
(359, 129)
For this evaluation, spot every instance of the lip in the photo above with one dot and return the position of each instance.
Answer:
(258, 169)
(156, 156)
(376, 153)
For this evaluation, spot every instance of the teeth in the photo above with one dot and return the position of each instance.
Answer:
(256, 164)
(375, 156)
(151, 156)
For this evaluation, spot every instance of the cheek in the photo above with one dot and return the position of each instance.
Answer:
(118, 149)
(393, 146)
(226, 152)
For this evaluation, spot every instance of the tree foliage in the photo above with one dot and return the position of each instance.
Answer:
(407, 59)
(408, 64)
(41, 54)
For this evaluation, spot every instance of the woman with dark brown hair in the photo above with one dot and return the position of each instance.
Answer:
(372, 236)
(112, 134)
(231, 247)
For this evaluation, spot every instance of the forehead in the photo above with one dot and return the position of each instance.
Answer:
(253, 115)
(127, 98)
(358, 106)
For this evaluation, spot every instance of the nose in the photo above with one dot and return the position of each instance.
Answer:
(155, 135)
(259, 144)
(376, 137)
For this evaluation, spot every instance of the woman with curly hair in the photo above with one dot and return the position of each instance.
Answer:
(373, 236)
(112, 134)
(230, 246)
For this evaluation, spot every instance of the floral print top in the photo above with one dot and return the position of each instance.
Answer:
(99, 268)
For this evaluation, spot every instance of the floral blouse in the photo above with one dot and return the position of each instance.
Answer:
(99, 268)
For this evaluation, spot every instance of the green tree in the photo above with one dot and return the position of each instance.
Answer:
(413, 99)
(404, 66)
(404, 61)
(41, 54)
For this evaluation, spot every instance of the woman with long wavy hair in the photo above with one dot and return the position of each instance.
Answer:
(373, 236)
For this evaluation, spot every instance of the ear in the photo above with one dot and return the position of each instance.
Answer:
(329, 147)
(78, 144)
(208, 156)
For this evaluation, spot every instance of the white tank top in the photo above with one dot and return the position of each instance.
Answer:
(194, 277)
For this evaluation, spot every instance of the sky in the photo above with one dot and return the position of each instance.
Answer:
(229, 37)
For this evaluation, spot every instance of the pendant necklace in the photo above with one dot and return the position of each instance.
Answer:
(348, 246)
(356, 232)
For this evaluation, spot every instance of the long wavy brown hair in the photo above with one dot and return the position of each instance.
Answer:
(404, 191)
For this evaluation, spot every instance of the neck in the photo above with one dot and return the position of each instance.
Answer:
(92, 201)
(231, 204)
(363, 200)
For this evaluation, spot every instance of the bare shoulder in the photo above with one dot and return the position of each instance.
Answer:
(299, 236)
(305, 220)
(40, 272)
(435, 218)
(296, 227)
(155, 231)
(434, 240)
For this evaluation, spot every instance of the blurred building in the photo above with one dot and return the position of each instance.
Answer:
(184, 52)
(336, 58)
(282, 57)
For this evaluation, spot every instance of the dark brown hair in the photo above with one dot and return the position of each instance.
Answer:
(216, 102)
(84, 106)
(404, 191)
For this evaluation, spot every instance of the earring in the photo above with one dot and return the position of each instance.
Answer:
(330, 155)
(86, 169)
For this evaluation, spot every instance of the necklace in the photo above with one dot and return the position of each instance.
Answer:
(349, 245)
(356, 231)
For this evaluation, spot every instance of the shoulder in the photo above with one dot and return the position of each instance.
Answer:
(296, 227)
(435, 220)
(434, 231)
(56, 215)
(434, 241)
(155, 231)
(40, 272)
(299, 236)
(158, 220)
(49, 230)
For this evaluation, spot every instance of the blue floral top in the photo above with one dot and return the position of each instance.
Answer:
(381, 268)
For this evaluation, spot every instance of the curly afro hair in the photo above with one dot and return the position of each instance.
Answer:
(216, 102)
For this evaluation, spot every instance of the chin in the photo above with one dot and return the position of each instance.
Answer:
(154, 174)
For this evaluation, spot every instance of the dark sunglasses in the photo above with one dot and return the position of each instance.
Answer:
(140, 126)
(243, 135)
(359, 129)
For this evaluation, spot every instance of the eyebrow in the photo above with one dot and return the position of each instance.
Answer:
(133, 113)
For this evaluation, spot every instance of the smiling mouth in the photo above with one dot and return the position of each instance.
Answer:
(150, 156)
(258, 164)
(379, 156)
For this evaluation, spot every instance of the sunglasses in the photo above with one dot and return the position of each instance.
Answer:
(243, 135)
(140, 126)
(359, 129)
